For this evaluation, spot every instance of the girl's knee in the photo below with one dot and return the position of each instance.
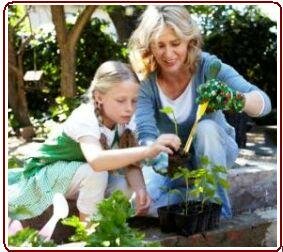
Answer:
(92, 179)
(91, 190)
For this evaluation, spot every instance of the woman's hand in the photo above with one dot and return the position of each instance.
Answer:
(143, 201)
(220, 97)
(164, 143)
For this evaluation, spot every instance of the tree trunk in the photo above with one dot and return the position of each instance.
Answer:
(16, 93)
(122, 25)
(67, 41)
(68, 70)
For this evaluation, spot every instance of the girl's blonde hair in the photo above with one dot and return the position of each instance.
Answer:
(109, 74)
(153, 21)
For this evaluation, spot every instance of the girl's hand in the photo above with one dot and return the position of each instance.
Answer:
(164, 143)
(143, 201)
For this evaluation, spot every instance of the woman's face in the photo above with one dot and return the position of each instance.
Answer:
(169, 51)
(119, 103)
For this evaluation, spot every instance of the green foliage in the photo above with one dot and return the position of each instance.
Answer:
(228, 33)
(205, 180)
(44, 46)
(168, 110)
(29, 237)
(124, 18)
(169, 192)
(187, 175)
(63, 107)
(94, 48)
(43, 126)
(109, 227)
(13, 124)
(15, 162)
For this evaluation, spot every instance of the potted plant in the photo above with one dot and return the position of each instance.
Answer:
(203, 212)
(205, 190)
(201, 205)
(186, 214)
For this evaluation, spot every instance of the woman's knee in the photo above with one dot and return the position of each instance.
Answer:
(210, 132)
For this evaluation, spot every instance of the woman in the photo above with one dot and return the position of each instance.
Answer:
(165, 50)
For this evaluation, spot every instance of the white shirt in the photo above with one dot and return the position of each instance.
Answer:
(182, 105)
(83, 122)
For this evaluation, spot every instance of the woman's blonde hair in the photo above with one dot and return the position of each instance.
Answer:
(153, 21)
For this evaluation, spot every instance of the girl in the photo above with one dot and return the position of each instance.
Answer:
(81, 161)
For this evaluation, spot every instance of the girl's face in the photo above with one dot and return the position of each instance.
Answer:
(169, 51)
(119, 103)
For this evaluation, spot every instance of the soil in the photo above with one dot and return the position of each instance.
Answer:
(178, 159)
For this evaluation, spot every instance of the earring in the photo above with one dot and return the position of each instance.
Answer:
(98, 105)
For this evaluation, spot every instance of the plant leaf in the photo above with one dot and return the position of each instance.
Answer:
(167, 110)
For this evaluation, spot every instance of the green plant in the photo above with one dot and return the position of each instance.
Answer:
(169, 192)
(168, 111)
(29, 237)
(187, 175)
(204, 180)
(13, 124)
(207, 180)
(15, 162)
(109, 228)
(63, 107)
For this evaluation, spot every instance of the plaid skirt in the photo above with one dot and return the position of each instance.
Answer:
(29, 197)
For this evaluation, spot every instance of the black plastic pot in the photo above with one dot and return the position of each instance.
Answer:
(186, 223)
(214, 218)
(203, 217)
(166, 216)
(199, 218)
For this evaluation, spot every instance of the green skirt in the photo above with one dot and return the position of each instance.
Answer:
(29, 197)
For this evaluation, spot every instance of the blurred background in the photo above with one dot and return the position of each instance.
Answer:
(47, 76)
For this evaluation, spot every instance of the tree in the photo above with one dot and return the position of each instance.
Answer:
(16, 88)
(67, 42)
(124, 18)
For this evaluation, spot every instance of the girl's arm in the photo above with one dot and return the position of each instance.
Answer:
(135, 180)
(102, 160)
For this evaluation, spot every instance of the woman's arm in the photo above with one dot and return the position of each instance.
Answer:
(257, 102)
